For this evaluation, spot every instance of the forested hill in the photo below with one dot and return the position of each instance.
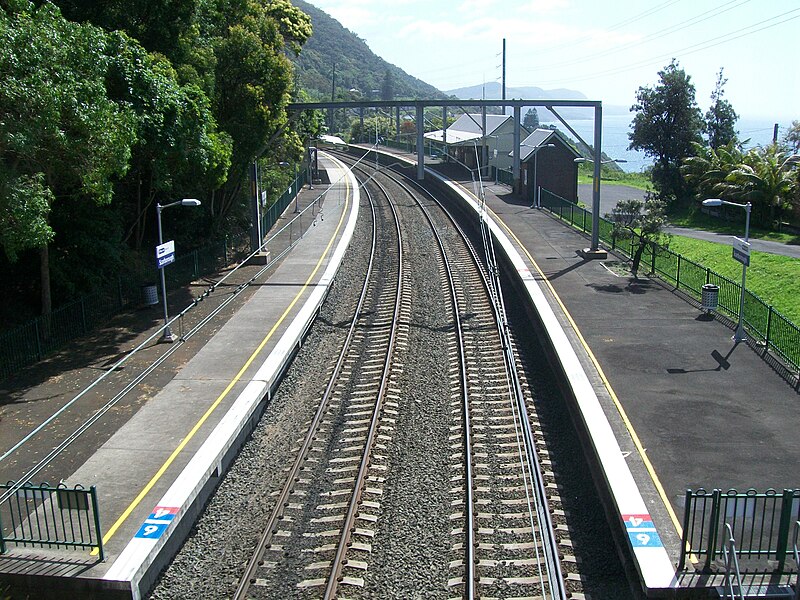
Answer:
(357, 67)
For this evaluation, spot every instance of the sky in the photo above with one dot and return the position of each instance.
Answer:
(604, 49)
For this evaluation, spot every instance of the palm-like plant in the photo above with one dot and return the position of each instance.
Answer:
(767, 179)
(709, 167)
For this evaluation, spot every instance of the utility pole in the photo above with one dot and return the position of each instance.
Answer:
(504, 73)
(333, 98)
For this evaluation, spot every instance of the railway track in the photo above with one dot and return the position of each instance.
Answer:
(447, 506)
(319, 534)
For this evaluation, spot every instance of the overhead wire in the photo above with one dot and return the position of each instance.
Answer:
(692, 49)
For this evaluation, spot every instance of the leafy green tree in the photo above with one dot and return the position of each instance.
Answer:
(178, 150)
(387, 87)
(642, 221)
(720, 121)
(707, 169)
(62, 139)
(252, 85)
(666, 123)
(531, 119)
(159, 25)
(767, 179)
(792, 137)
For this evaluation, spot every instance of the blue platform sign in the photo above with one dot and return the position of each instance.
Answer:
(165, 254)
(641, 531)
(158, 521)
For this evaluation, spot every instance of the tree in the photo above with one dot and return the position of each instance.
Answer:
(707, 169)
(792, 137)
(62, 139)
(667, 121)
(767, 179)
(531, 119)
(387, 87)
(641, 221)
(720, 121)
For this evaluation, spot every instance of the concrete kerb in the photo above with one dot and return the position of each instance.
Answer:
(141, 560)
(656, 572)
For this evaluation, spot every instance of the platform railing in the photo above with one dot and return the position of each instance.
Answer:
(764, 323)
(761, 523)
(50, 516)
(796, 553)
(733, 576)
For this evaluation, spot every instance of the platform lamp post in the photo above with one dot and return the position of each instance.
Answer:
(168, 337)
(741, 253)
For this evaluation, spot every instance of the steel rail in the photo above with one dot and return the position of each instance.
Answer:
(266, 537)
(348, 526)
(491, 281)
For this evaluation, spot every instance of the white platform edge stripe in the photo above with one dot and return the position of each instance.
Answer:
(133, 560)
(654, 563)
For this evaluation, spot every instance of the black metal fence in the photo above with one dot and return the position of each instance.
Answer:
(30, 342)
(763, 322)
(50, 516)
(761, 524)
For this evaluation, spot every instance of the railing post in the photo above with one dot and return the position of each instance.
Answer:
(685, 542)
(678, 274)
(783, 529)
(769, 330)
(653, 263)
(93, 495)
(713, 528)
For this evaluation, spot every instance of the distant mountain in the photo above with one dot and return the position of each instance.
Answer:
(493, 90)
(332, 46)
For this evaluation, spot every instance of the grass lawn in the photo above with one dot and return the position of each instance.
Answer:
(772, 277)
(693, 218)
(639, 181)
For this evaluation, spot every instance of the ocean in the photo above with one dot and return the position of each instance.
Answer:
(616, 128)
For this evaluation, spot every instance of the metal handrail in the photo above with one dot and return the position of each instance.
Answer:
(729, 551)
(796, 553)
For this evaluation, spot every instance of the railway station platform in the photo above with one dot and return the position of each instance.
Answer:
(667, 400)
(686, 407)
(154, 473)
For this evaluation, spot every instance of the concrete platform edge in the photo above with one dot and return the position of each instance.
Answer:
(142, 559)
(653, 564)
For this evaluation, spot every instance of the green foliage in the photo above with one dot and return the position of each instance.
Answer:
(531, 119)
(332, 47)
(770, 276)
(24, 207)
(640, 220)
(720, 122)
(765, 177)
(792, 137)
(60, 133)
(667, 121)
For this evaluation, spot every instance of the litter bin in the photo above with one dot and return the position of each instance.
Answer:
(710, 297)
(149, 294)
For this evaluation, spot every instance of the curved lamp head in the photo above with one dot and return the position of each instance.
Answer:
(190, 202)
(712, 202)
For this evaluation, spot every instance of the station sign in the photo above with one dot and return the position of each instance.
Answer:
(165, 254)
(741, 251)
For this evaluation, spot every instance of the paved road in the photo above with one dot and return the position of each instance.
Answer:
(611, 194)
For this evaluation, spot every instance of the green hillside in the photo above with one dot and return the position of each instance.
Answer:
(357, 67)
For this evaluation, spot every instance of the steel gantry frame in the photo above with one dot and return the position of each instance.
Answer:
(420, 105)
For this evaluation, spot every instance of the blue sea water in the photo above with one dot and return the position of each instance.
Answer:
(616, 128)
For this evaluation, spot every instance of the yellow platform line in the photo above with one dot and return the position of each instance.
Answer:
(150, 484)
